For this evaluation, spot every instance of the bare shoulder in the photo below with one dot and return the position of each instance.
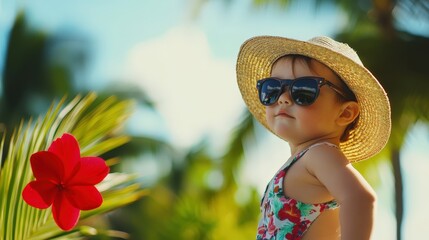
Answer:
(334, 171)
(325, 158)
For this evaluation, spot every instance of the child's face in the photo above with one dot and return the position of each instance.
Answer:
(299, 124)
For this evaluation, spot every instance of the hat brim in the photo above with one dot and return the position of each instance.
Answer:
(372, 131)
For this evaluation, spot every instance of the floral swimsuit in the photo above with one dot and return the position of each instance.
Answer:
(283, 217)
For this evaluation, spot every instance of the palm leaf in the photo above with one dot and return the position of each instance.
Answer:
(243, 133)
(95, 127)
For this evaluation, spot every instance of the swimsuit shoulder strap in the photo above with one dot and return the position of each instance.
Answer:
(300, 154)
(323, 143)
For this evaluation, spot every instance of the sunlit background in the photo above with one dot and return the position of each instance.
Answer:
(177, 59)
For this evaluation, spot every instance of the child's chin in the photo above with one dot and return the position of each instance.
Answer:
(283, 131)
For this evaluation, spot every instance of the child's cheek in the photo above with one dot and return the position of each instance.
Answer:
(270, 113)
(269, 116)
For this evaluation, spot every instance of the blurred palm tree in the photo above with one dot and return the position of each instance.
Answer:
(40, 67)
(377, 30)
(195, 199)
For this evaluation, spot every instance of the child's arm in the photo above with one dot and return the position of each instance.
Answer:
(349, 188)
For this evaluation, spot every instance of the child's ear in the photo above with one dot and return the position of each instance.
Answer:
(349, 112)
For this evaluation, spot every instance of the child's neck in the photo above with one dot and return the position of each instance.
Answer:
(295, 148)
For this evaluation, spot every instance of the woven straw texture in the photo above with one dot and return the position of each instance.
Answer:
(372, 131)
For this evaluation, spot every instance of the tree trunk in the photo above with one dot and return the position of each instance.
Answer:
(399, 197)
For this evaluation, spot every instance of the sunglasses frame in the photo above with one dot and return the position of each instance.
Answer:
(289, 83)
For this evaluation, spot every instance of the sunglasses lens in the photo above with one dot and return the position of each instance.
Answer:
(304, 91)
(270, 91)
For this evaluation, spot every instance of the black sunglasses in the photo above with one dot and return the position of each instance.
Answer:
(303, 91)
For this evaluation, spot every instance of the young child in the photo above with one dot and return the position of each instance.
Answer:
(317, 96)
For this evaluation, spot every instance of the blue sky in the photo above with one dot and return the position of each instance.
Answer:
(186, 61)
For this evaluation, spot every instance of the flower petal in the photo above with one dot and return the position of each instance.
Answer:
(65, 214)
(67, 149)
(39, 193)
(47, 166)
(84, 197)
(92, 170)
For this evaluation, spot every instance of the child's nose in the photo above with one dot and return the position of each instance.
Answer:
(285, 98)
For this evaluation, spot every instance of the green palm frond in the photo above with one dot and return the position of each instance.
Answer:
(95, 126)
(244, 131)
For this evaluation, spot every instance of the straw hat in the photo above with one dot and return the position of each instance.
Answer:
(372, 131)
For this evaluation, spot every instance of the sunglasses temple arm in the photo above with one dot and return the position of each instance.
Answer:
(336, 89)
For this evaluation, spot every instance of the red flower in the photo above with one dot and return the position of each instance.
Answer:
(289, 211)
(262, 230)
(65, 180)
(279, 176)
